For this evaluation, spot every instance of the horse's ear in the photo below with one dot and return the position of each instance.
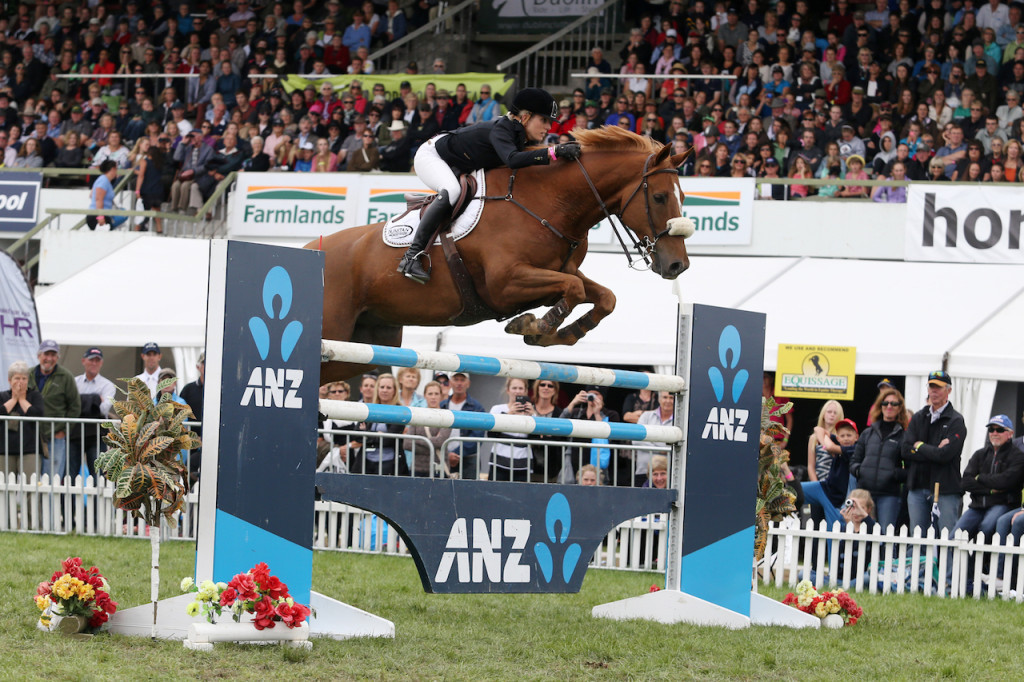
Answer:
(677, 159)
(663, 154)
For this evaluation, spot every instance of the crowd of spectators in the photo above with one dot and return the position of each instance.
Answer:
(915, 89)
(217, 102)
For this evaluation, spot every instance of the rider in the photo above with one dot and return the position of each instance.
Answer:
(490, 144)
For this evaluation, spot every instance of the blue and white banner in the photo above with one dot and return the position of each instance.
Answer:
(19, 322)
(19, 201)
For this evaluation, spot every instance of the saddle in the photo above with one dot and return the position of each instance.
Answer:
(475, 308)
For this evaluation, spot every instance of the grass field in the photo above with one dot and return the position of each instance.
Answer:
(493, 637)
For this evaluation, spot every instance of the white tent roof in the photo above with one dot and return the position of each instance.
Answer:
(986, 352)
(113, 302)
(974, 311)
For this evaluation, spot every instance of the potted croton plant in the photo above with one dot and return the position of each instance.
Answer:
(143, 462)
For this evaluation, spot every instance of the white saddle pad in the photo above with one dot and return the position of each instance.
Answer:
(398, 230)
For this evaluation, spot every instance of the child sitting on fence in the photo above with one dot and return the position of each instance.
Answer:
(830, 493)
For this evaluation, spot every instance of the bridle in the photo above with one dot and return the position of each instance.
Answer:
(644, 247)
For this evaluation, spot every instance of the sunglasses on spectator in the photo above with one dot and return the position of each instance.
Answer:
(338, 390)
(545, 384)
(368, 135)
(890, 403)
(705, 165)
(996, 429)
(485, 92)
(347, 101)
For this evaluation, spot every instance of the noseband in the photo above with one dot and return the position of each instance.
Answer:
(644, 246)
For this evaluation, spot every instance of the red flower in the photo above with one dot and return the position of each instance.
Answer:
(71, 564)
(228, 596)
(260, 572)
(790, 600)
(654, 588)
(98, 619)
(264, 615)
(273, 587)
(301, 614)
(246, 586)
(44, 589)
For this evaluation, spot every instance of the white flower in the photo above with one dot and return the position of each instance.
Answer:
(187, 583)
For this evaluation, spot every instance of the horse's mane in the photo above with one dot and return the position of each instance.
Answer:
(615, 139)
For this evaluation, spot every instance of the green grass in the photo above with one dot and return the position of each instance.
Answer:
(494, 637)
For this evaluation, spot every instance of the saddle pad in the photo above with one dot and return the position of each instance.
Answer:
(398, 230)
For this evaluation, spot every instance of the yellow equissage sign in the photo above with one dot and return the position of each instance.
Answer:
(815, 371)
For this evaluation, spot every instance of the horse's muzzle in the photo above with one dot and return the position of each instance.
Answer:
(669, 266)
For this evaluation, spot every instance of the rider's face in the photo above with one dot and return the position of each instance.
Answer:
(536, 127)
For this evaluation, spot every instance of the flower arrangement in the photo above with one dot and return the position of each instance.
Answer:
(838, 602)
(73, 591)
(256, 591)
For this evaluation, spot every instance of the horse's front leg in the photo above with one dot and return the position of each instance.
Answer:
(604, 303)
(533, 284)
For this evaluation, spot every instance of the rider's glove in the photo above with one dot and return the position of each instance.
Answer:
(570, 151)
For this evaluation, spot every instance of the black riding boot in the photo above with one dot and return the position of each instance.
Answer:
(438, 211)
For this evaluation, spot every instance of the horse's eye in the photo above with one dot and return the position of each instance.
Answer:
(660, 198)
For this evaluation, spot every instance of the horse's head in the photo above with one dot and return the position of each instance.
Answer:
(654, 212)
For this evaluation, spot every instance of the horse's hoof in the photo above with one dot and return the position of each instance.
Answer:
(532, 340)
(521, 324)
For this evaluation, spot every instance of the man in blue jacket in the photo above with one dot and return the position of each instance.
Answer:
(463, 457)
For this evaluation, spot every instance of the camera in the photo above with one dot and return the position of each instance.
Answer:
(848, 504)
(521, 400)
(590, 398)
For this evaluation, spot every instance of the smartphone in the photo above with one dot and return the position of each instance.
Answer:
(521, 399)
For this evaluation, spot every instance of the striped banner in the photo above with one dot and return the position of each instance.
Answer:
(343, 351)
(538, 426)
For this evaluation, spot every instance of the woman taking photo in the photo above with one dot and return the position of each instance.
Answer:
(512, 462)
(589, 405)
(877, 463)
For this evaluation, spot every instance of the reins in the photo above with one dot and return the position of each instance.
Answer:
(644, 247)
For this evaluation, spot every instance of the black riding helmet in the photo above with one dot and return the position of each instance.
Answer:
(536, 101)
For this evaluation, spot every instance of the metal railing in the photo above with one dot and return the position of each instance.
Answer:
(448, 36)
(549, 63)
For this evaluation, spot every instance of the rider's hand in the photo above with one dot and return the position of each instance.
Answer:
(570, 151)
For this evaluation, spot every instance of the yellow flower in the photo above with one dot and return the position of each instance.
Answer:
(192, 609)
(42, 602)
(86, 592)
(66, 587)
(187, 583)
(821, 610)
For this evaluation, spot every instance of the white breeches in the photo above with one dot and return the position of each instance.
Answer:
(434, 172)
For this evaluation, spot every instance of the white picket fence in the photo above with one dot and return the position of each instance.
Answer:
(892, 561)
(34, 504)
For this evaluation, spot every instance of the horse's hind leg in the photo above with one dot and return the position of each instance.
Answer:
(604, 303)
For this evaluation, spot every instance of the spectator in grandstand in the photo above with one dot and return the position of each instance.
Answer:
(28, 156)
(102, 197)
(485, 109)
(855, 171)
(20, 444)
(148, 181)
(113, 150)
(395, 156)
(193, 155)
(892, 195)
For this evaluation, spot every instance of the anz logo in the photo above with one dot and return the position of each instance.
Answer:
(727, 423)
(495, 551)
(275, 386)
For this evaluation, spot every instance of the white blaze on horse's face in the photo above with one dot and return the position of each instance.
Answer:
(682, 226)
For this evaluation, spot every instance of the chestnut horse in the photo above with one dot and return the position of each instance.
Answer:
(517, 262)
